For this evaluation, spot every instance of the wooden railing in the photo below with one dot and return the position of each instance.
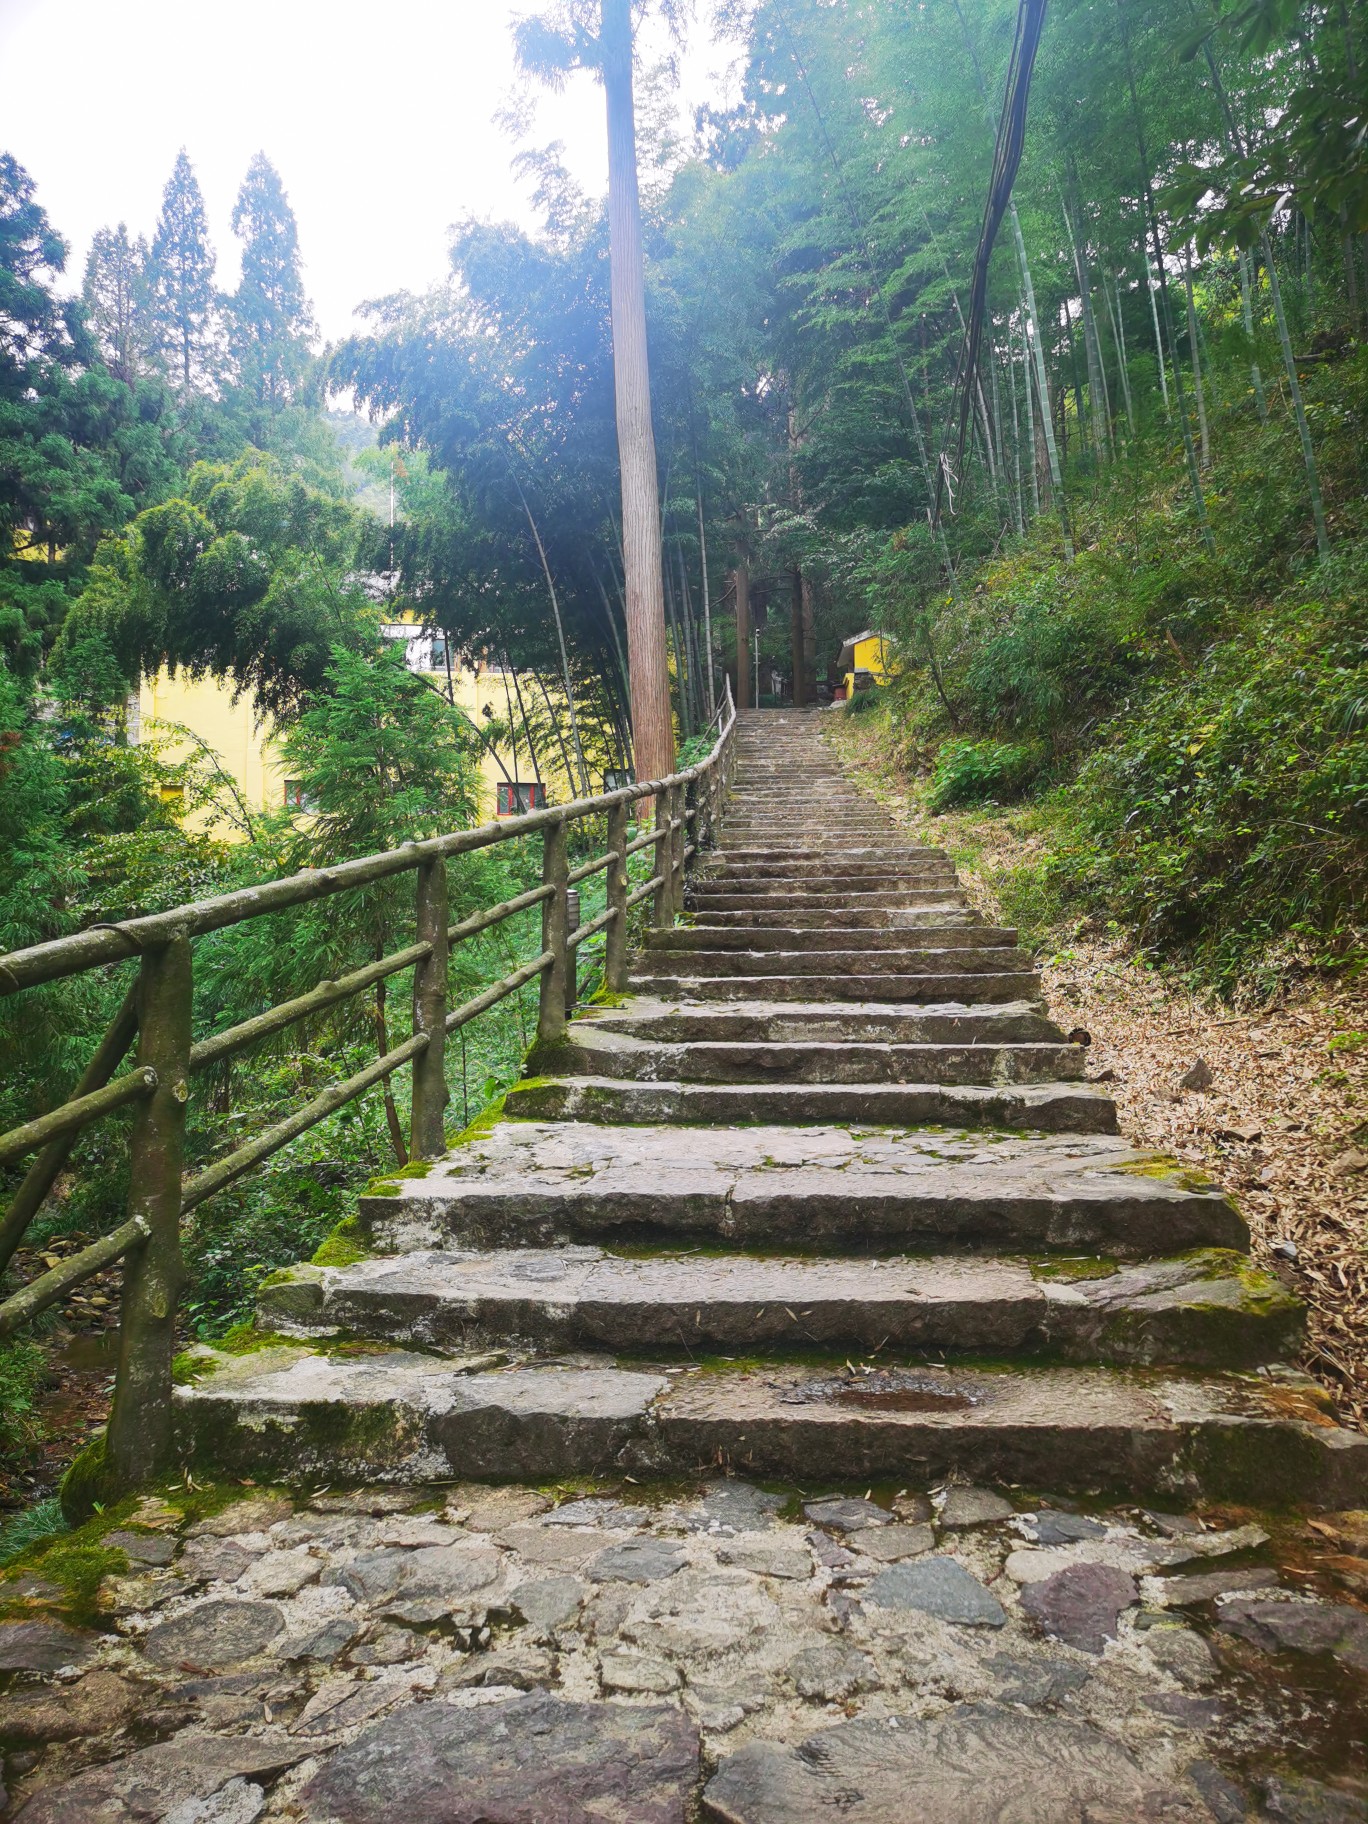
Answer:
(157, 1011)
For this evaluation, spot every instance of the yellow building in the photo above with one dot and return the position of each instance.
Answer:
(870, 653)
(243, 741)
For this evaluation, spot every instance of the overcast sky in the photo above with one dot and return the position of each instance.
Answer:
(379, 117)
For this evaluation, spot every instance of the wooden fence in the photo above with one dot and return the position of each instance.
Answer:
(157, 1012)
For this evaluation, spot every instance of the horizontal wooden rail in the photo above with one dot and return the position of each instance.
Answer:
(76, 1114)
(50, 1288)
(481, 921)
(588, 868)
(491, 996)
(578, 936)
(649, 840)
(327, 994)
(222, 1174)
(635, 899)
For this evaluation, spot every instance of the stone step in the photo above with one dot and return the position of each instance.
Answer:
(824, 938)
(838, 867)
(756, 1022)
(942, 916)
(294, 1414)
(588, 1050)
(1207, 1310)
(722, 898)
(899, 958)
(1053, 1108)
(831, 1189)
(729, 850)
(1020, 985)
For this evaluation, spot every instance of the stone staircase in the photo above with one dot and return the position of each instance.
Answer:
(827, 1197)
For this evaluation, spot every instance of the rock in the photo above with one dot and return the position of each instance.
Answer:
(1035, 1681)
(156, 1781)
(1301, 1627)
(1308, 1802)
(369, 1500)
(825, 1550)
(559, 1548)
(98, 1704)
(1222, 1798)
(846, 1516)
(939, 1587)
(766, 1559)
(1186, 1592)
(637, 1672)
(43, 1646)
(282, 1573)
(1052, 1528)
(214, 1634)
(344, 1703)
(1081, 1605)
(489, 1509)
(636, 1561)
(141, 1548)
(1214, 1545)
(597, 1510)
(239, 1802)
(973, 1507)
(912, 1508)
(738, 1507)
(450, 1572)
(513, 1667)
(251, 1516)
(1246, 1131)
(1198, 1075)
(1347, 1532)
(549, 1603)
(1187, 1712)
(154, 1512)
(533, 1760)
(1348, 1162)
(1173, 1526)
(973, 1765)
(1182, 1653)
(213, 1560)
(889, 1543)
(386, 1645)
(831, 1672)
(328, 1641)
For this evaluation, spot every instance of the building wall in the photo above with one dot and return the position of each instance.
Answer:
(244, 741)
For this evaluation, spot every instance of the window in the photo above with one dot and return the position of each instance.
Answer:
(520, 795)
(173, 796)
(615, 781)
(438, 661)
(296, 798)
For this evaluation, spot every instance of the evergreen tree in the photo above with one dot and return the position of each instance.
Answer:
(115, 300)
(180, 281)
(271, 321)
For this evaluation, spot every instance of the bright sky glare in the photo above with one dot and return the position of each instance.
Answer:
(380, 120)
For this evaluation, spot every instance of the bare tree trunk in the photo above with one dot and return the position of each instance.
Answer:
(1199, 391)
(392, 1121)
(1042, 384)
(796, 639)
(743, 634)
(703, 571)
(652, 730)
(1030, 420)
(1298, 408)
(1018, 498)
(1158, 338)
(1119, 337)
(527, 727)
(1247, 312)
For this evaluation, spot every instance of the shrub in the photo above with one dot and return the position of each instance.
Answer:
(973, 772)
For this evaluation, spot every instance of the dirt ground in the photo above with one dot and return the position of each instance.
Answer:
(1282, 1121)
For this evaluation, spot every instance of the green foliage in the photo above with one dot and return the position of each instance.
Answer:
(270, 313)
(22, 1370)
(34, 1526)
(180, 282)
(972, 772)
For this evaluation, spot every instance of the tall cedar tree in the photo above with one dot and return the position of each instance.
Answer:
(272, 323)
(180, 280)
(115, 300)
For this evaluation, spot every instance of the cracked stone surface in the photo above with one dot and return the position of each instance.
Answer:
(739, 1650)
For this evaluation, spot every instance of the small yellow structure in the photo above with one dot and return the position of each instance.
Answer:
(243, 740)
(869, 653)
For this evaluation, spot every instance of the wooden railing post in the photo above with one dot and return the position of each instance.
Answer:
(615, 945)
(678, 844)
(555, 867)
(138, 1442)
(427, 1134)
(662, 910)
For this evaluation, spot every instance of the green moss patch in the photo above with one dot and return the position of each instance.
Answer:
(343, 1248)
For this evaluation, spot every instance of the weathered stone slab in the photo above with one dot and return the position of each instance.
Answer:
(98, 1704)
(215, 1634)
(43, 1646)
(1081, 1605)
(533, 1760)
(150, 1784)
(636, 1561)
(831, 1672)
(846, 1514)
(1300, 1627)
(975, 1766)
(973, 1507)
(887, 1544)
(940, 1587)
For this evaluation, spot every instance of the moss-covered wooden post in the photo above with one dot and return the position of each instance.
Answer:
(662, 904)
(428, 1124)
(678, 844)
(555, 867)
(615, 947)
(138, 1442)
